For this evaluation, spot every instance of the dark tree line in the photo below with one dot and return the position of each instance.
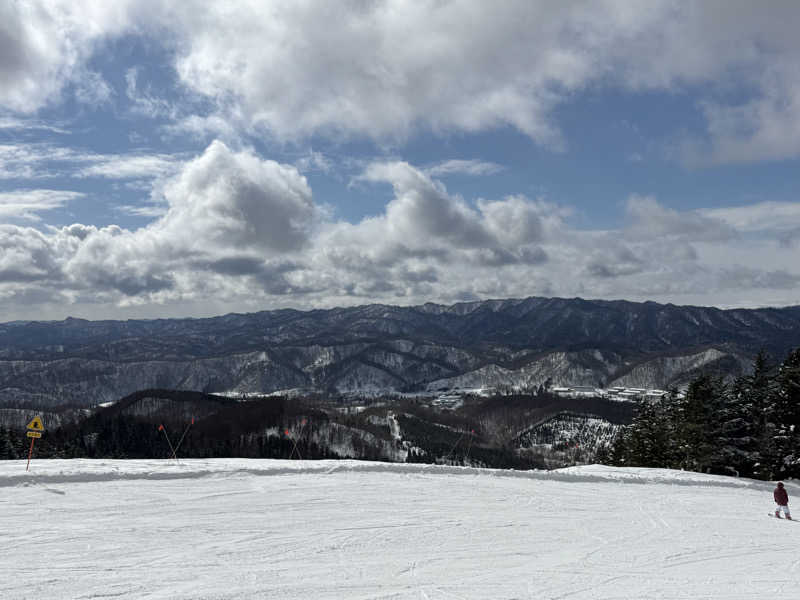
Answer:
(750, 427)
(256, 429)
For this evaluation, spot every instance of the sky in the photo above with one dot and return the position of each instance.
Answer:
(192, 158)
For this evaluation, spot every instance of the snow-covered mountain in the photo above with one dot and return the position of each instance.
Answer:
(251, 529)
(518, 344)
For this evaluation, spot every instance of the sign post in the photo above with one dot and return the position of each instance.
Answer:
(35, 429)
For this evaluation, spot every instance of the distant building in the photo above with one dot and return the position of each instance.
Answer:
(576, 391)
(613, 393)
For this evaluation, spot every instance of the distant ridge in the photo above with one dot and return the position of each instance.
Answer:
(519, 343)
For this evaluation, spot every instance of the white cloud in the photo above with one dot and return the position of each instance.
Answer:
(27, 161)
(27, 204)
(14, 123)
(92, 89)
(126, 166)
(149, 209)
(29, 256)
(761, 217)
(144, 101)
(42, 160)
(652, 220)
(314, 161)
(388, 69)
(422, 208)
(238, 200)
(473, 167)
(244, 232)
(45, 46)
(515, 220)
(383, 70)
(223, 209)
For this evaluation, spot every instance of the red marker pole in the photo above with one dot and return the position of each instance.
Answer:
(30, 453)
(294, 443)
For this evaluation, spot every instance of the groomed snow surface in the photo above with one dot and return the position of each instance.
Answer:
(213, 529)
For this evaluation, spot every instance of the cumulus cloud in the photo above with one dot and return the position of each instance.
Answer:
(246, 232)
(652, 220)
(388, 69)
(224, 209)
(760, 217)
(422, 208)
(765, 126)
(516, 220)
(429, 242)
(617, 260)
(45, 46)
(424, 217)
(391, 68)
(231, 199)
(229, 215)
(28, 255)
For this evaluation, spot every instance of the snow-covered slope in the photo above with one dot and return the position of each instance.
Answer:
(225, 529)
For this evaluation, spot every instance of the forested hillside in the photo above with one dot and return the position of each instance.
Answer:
(750, 427)
(502, 431)
(515, 345)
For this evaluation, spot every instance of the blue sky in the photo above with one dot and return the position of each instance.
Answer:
(201, 158)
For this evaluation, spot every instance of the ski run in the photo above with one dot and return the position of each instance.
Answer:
(236, 529)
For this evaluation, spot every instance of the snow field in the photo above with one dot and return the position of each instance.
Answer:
(225, 529)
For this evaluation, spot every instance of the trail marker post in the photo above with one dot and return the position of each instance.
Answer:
(35, 430)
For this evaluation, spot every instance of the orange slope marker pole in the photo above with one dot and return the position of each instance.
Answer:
(164, 429)
(30, 453)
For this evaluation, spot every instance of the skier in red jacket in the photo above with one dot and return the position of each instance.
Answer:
(782, 500)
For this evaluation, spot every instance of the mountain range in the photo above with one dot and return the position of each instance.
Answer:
(381, 349)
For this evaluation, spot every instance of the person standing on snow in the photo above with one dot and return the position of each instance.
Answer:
(782, 500)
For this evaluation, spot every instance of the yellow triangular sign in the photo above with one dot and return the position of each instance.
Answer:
(36, 424)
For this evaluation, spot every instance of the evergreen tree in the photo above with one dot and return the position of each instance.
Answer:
(747, 419)
(699, 417)
(7, 450)
(647, 441)
(751, 429)
(786, 436)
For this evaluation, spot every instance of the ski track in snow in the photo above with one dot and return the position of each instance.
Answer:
(236, 528)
